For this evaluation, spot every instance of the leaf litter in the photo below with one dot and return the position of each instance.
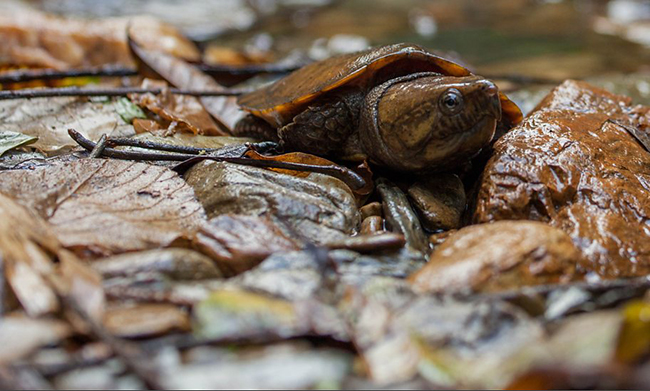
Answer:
(126, 274)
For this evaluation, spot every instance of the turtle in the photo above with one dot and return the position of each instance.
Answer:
(398, 106)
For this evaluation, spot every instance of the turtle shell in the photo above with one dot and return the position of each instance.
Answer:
(279, 102)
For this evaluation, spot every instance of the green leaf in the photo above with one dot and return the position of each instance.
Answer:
(10, 140)
(128, 110)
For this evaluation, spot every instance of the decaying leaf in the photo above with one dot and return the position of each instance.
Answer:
(20, 335)
(143, 320)
(10, 140)
(128, 110)
(105, 207)
(183, 75)
(49, 120)
(177, 113)
(318, 208)
(238, 242)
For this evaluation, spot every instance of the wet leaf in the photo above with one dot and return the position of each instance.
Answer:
(182, 75)
(105, 207)
(20, 335)
(128, 110)
(10, 140)
(145, 320)
(49, 120)
(529, 253)
(238, 243)
(318, 208)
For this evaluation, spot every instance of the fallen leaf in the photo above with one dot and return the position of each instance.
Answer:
(38, 39)
(176, 113)
(172, 263)
(128, 110)
(26, 244)
(145, 320)
(10, 140)
(318, 208)
(105, 207)
(238, 314)
(279, 366)
(180, 74)
(83, 284)
(20, 335)
(49, 120)
(195, 140)
(238, 242)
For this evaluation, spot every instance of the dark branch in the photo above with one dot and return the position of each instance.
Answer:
(351, 178)
(121, 91)
(25, 75)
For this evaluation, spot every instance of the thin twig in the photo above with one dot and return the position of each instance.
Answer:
(24, 75)
(120, 91)
(99, 147)
(132, 142)
(351, 178)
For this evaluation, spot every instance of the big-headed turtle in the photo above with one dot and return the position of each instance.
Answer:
(399, 106)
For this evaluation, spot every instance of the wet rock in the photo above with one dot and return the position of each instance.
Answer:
(318, 208)
(238, 243)
(501, 255)
(400, 216)
(574, 164)
(440, 201)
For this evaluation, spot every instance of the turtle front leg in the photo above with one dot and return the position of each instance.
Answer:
(324, 127)
(252, 126)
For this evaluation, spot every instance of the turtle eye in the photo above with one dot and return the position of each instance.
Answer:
(451, 101)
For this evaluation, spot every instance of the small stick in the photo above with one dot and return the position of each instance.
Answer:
(351, 178)
(24, 75)
(131, 142)
(99, 147)
(121, 91)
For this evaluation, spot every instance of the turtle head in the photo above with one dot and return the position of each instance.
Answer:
(429, 122)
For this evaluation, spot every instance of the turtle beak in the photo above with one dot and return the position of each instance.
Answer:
(492, 93)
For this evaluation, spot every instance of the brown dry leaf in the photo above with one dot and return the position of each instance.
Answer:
(181, 113)
(145, 320)
(180, 74)
(104, 207)
(238, 242)
(37, 39)
(20, 335)
(26, 244)
(49, 120)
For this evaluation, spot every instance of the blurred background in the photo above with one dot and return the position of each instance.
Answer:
(546, 39)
